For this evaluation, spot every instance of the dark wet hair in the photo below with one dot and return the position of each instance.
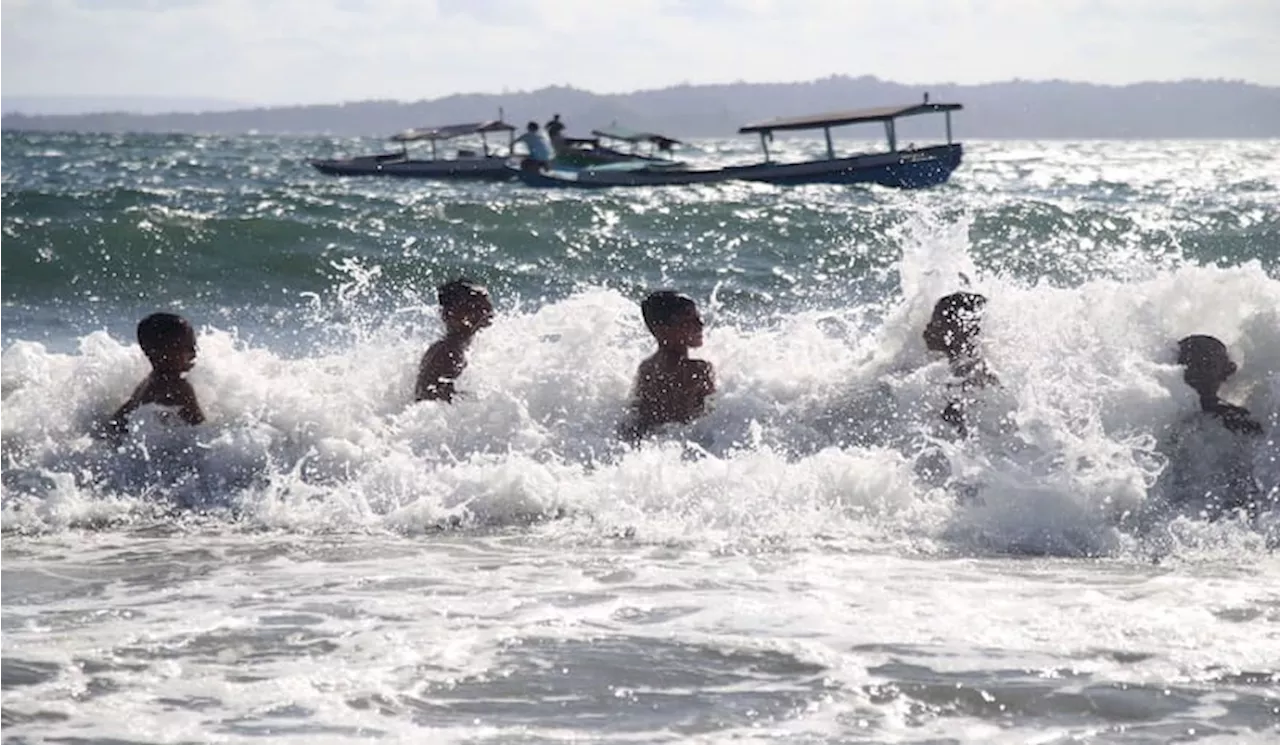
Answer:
(1199, 348)
(459, 291)
(157, 329)
(960, 307)
(532, 127)
(660, 307)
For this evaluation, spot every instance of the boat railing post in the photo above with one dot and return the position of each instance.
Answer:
(484, 142)
(948, 127)
(764, 143)
(891, 135)
(433, 149)
(831, 151)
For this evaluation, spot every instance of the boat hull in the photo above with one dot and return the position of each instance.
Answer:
(474, 169)
(906, 169)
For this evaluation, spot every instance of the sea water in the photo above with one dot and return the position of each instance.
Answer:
(325, 561)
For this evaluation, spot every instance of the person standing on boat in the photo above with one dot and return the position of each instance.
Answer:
(555, 130)
(540, 150)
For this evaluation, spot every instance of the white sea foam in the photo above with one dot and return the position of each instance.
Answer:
(818, 428)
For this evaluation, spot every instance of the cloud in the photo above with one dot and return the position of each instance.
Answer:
(304, 51)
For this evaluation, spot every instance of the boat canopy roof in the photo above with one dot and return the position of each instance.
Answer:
(626, 135)
(450, 131)
(838, 118)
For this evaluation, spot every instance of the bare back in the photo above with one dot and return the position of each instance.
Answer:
(670, 389)
(164, 390)
(443, 362)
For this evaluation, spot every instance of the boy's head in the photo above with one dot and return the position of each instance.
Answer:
(672, 318)
(464, 305)
(955, 322)
(532, 127)
(168, 341)
(1206, 361)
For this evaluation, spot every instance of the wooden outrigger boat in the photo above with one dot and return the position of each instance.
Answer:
(910, 168)
(464, 163)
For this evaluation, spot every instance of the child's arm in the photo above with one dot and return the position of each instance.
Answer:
(188, 407)
(1237, 419)
(119, 421)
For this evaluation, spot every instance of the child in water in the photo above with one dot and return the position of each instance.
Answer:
(169, 343)
(465, 308)
(670, 387)
(951, 330)
(1211, 452)
(1208, 366)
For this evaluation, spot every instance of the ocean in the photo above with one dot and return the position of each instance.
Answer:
(324, 561)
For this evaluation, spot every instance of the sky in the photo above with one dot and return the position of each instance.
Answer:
(325, 51)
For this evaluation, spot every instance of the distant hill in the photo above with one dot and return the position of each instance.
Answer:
(1015, 109)
(62, 105)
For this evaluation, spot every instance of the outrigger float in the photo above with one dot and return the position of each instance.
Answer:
(910, 168)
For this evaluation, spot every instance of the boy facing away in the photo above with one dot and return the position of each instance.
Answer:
(952, 330)
(169, 343)
(465, 308)
(669, 387)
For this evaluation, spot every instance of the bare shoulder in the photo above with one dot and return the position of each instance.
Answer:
(441, 357)
(184, 390)
(648, 365)
(141, 392)
(432, 351)
(649, 379)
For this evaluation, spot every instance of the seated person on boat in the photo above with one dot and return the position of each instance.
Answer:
(539, 147)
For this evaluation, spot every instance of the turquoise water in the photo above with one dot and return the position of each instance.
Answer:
(324, 561)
